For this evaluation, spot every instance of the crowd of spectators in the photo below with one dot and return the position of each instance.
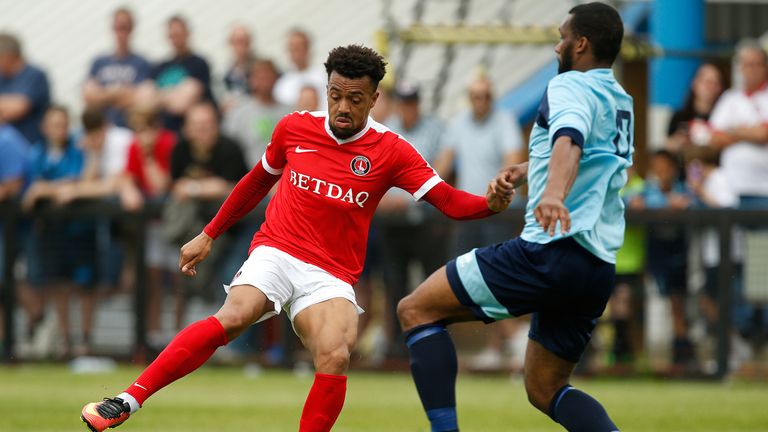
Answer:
(715, 156)
(155, 133)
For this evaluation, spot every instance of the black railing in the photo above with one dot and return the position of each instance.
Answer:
(723, 220)
(10, 216)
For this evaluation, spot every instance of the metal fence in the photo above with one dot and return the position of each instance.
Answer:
(723, 220)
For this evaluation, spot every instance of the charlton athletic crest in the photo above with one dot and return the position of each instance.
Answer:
(360, 165)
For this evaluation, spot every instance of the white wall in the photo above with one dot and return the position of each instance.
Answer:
(63, 36)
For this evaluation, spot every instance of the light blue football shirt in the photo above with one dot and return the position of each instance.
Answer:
(596, 112)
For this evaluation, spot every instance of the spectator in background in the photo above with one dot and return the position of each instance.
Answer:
(309, 99)
(105, 148)
(711, 187)
(739, 125)
(406, 235)
(147, 177)
(13, 165)
(254, 117)
(667, 256)
(478, 142)
(205, 166)
(383, 111)
(55, 159)
(14, 148)
(24, 90)
(423, 131)
(62, 256)
(113, 78)
(706, 88)
(147, 171)
(243, 56)
(626, 303)
(179, 82)
(301, 73)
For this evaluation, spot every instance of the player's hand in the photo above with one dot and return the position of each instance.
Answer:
(549, 212)
(193, 253)
(497, 199)
(501, 189)
(512, 177)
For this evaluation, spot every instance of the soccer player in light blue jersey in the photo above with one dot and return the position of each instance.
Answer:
(561, 269)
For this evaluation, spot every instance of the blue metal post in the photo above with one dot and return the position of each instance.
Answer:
(678, 26)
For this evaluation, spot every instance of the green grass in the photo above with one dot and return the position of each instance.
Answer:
(49, 398)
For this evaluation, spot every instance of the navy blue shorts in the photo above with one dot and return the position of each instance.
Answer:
(565, 287)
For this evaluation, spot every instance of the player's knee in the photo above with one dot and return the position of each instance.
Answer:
(234, 321)
(408, 313)
(334, 361)
(540, 390)
(537, 396)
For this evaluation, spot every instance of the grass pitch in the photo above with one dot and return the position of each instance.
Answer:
(49, 398)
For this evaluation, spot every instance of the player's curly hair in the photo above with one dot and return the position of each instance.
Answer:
(601, 25)
(356, 61)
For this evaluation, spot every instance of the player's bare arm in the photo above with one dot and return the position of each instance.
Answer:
(563, 167)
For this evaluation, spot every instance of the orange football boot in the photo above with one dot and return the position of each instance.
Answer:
(107, 414)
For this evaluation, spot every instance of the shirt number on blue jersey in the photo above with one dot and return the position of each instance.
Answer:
(623, 125)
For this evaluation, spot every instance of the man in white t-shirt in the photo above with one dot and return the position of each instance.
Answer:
(739, 124)
(302, 73)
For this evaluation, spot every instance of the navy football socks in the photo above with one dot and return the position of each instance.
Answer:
(579, 412)
(434, 368)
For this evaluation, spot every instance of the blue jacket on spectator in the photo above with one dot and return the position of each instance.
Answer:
(48, 165)
(33, 84)
(654, 197)
(15, 153)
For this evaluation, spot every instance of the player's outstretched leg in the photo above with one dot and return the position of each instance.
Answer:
(546, 382)
(329, 331)
(186, 352)
(423, 315)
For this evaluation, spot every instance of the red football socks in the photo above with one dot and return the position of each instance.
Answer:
(324, 403)
(186, 352)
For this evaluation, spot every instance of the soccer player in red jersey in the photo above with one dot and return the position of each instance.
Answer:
(333, 168)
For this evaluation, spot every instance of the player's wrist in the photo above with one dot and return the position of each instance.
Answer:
(552, 195)
(207, 234)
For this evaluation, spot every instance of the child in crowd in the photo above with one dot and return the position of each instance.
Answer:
(667, 246)
(147, 177)
(61, 255)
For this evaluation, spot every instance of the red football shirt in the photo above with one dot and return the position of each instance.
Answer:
(161, 152)
(330, 188)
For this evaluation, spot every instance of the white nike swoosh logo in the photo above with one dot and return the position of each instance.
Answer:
(304, 150)
(139, 386)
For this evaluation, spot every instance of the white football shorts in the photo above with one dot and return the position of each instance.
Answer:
(290, 283)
